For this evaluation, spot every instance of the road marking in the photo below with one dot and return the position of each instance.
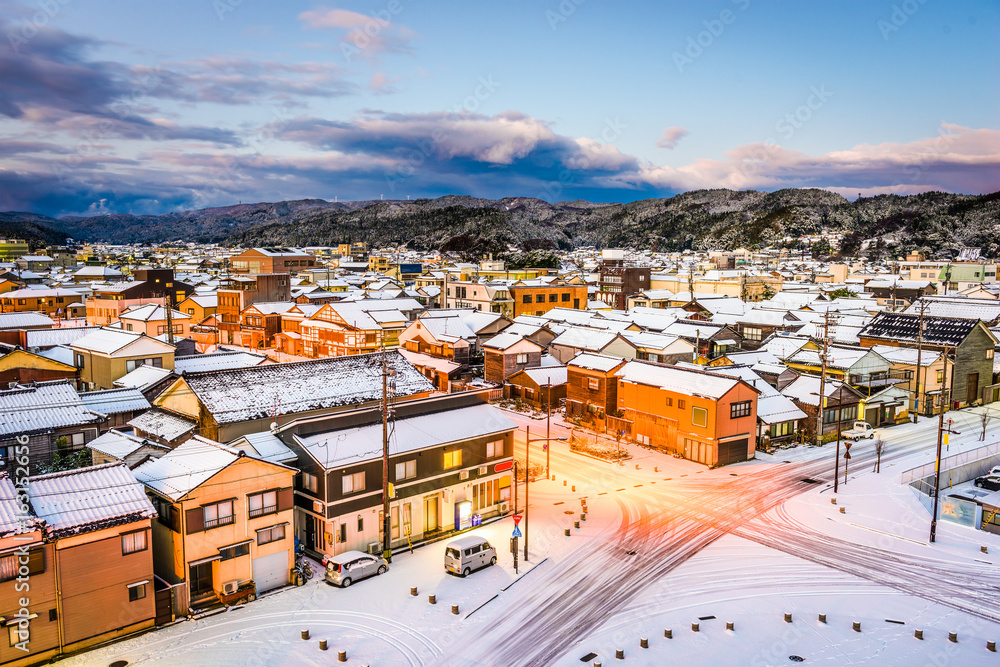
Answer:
(621, 489)
(603, 493)
(637, 486)
(882, 532)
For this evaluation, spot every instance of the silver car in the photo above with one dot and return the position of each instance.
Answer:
(350, 566)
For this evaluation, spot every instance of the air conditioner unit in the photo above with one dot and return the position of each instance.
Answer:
(230, 587)
(464, 474)
(504, 507)
(374, 548)
(483, 470)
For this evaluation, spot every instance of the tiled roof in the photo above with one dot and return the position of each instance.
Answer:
(256, 392)
(22, 320)
(680, 380)
(947, 331)
(217, 361)
(162, 424)
(28, 409)
(114, 401)
(178, 472)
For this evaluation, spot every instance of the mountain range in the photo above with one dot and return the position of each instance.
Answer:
(701, 219)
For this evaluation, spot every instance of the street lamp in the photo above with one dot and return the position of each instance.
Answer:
(527, 478)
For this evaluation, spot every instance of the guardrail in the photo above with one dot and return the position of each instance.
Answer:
(954, 461)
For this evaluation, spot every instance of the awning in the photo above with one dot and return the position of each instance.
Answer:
(138, 583)
(202, 561)
(14, 620)
(236, 544)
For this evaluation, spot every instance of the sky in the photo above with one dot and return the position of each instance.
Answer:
(118, 106)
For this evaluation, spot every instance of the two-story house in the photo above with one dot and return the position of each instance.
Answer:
(449, 459)
(591, 385)
(506, 354)
(105, 355)
(224, 519)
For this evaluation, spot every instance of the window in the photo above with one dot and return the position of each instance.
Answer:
(699, 416)
(526, 298)
(989, 354)
(79, 361)
(342, 533)
(453, 459)
(670, 402)
(128, 327)
(406, 470)
(553, 298)
(521, 359)
(9, 564)
(494, 449)
(219, 514)
(354, 482)
(539, 298)
(76, 439)
(782, 428)
(263, 503)
(235, 551)
(940, 376)
(593, 384)
(680, 403)
(361, 525)
(565, 296)
(309, 482)
(752, 333)
(133, 542)
(16, 635)
(136, 592)
(741, 409)
(272, 534)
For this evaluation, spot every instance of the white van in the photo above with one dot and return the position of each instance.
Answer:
(468, 553)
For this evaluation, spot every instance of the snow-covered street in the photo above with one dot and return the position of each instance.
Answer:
(666, 543)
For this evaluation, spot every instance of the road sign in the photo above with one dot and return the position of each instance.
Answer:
(847, 455)
(506, 465)
(847, 444)
(516, 533)
(517, 519)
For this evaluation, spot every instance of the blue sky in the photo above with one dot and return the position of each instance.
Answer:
(148, 107)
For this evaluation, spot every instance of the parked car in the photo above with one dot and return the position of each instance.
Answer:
(860, 430)
(994, 471)
(346, 568)
(991, 482)
(468, 553)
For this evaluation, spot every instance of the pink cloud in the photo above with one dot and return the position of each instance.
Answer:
(671, 136)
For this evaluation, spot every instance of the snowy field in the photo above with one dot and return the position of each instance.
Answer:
(871, 564)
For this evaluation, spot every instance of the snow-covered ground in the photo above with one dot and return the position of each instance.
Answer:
(662, 546)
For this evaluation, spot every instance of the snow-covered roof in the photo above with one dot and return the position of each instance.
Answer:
(24, 320)
(253, 393)
(987, 310)
(595, 362)
(265, 445)
(907, 355)
(86, 499)
(118, 444)
(185, 468)
(364, 443)
(106, 340)
(51, 337)
(13, 520)
(680, 380)
(152, 312)
(143, 376)
(114, 401)
(554, 375)
(585, 338)
(805, 389)
(162, 424)
(504, 341)
(427, 361)
(217, 361)
(27, 409)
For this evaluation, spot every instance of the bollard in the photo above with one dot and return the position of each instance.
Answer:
(553, 478)
(822, 618)
(342, 656)
(984, 550)
(454, 609)
(643, 642)
(953, 637)
(833, 501)
(694, 627)
(413, 591)
(567, 532)
(574, 488)
(576, 524)
(564, 482)
(620, 654)
(305, 634)
(669, 634)
(788, 618)
(636, 466)
(322, 644)
(730, 625)
(583, 517)
(843, 511)
(656, 469)
(583, 502)
(919, 634)
(432, 599)
(857, 626)
(991, 647)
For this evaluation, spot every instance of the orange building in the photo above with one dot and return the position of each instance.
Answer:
(706, 417)
(537, 297)
(272, 260)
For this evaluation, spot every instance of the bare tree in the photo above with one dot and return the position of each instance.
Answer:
(985, 417)
(879, 446)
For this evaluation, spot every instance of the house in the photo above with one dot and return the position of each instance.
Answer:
(236, 293)
(710, 339)
(347, 328)
(863, 368)
(506, 354)
(48, 301)
(841, 402)
(224, 519)
(449, 459)
(617, 282)
(151, 319)
(440, 371)
(49, 418)
(904, 361)
(487, 297)
(778, 418)
(591, 385)
(969, 341)
(106, 355)
(537, 297)
(199, 306)
(431, 336)
(538, 386)
(481, 326)
(19, 366)
(703, 416)
(576, 339)
(162, 427)
(756, 325)
(260, 321)
(131, 450)
(896, 293)
(661, 348)
(88, 568)
(227, 404)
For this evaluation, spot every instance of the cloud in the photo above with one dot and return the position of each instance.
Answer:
(362, 35)
(671, 136)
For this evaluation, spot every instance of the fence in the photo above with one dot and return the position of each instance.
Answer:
(970, 456)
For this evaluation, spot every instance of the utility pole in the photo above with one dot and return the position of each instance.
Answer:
(548, 435)
(513, 542)
(822, 378)
(527, 484)
(920, 344)
(170, 317)
(386, 519)
(940, 437)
